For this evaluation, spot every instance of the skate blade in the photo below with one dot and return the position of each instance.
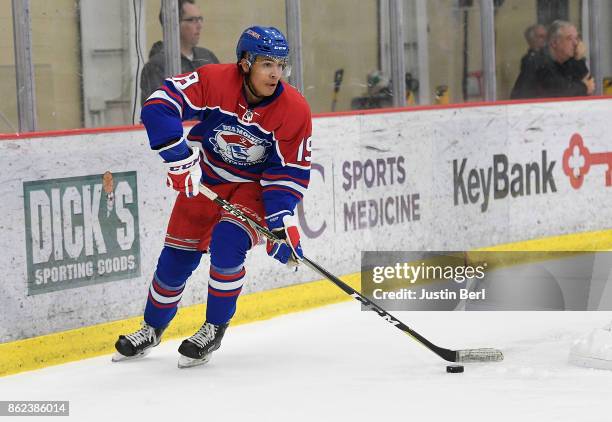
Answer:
(118, 357)
(186, 362)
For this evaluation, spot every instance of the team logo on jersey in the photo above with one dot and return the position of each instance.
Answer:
(248, 116)
(238, 146)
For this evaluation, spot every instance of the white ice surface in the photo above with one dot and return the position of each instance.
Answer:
(340, 364)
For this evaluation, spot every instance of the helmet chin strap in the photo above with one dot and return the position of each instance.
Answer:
(249, 86)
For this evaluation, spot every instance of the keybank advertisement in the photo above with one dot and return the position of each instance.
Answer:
(504, 178)
(81, 231)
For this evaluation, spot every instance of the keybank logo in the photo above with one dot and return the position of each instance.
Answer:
(81, 231)
(578, 160)
(500, 180)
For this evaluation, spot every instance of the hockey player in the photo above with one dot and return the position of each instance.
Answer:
(254, 134)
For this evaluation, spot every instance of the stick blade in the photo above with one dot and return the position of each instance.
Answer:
(479, 355)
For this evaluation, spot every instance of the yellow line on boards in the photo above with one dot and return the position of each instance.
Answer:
(587, 241)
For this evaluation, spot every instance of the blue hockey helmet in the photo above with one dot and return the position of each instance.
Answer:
(263, 41)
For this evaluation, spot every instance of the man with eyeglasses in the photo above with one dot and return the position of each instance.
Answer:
(192, 56)
(253, 148)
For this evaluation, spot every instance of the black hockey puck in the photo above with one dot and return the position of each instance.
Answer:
(454, 369)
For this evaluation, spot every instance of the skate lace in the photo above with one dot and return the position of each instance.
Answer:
(146, 333)
(205, 335)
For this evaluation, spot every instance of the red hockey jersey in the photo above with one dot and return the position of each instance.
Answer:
(269, 143)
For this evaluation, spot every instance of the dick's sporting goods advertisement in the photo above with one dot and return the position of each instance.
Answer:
(81, 231)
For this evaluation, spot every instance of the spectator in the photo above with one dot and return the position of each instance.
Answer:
(192, 57)
(563, 71)
(525, 84)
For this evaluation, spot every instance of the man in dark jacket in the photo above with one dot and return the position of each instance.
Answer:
(524, 87)
(563, 72)
(192, 57)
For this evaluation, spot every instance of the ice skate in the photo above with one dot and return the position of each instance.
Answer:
(197, 349)
(138, 344)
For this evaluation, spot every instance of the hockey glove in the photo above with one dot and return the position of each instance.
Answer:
(289, 251)
(184, 175)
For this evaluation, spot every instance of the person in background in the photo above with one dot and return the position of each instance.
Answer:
(192, 57)
(524, 87)
(563, 71)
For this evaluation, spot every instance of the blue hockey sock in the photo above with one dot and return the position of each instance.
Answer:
(173, 269)
(224, 287)
(228, 247)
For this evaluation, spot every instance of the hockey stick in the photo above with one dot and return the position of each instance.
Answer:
(463, 355)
